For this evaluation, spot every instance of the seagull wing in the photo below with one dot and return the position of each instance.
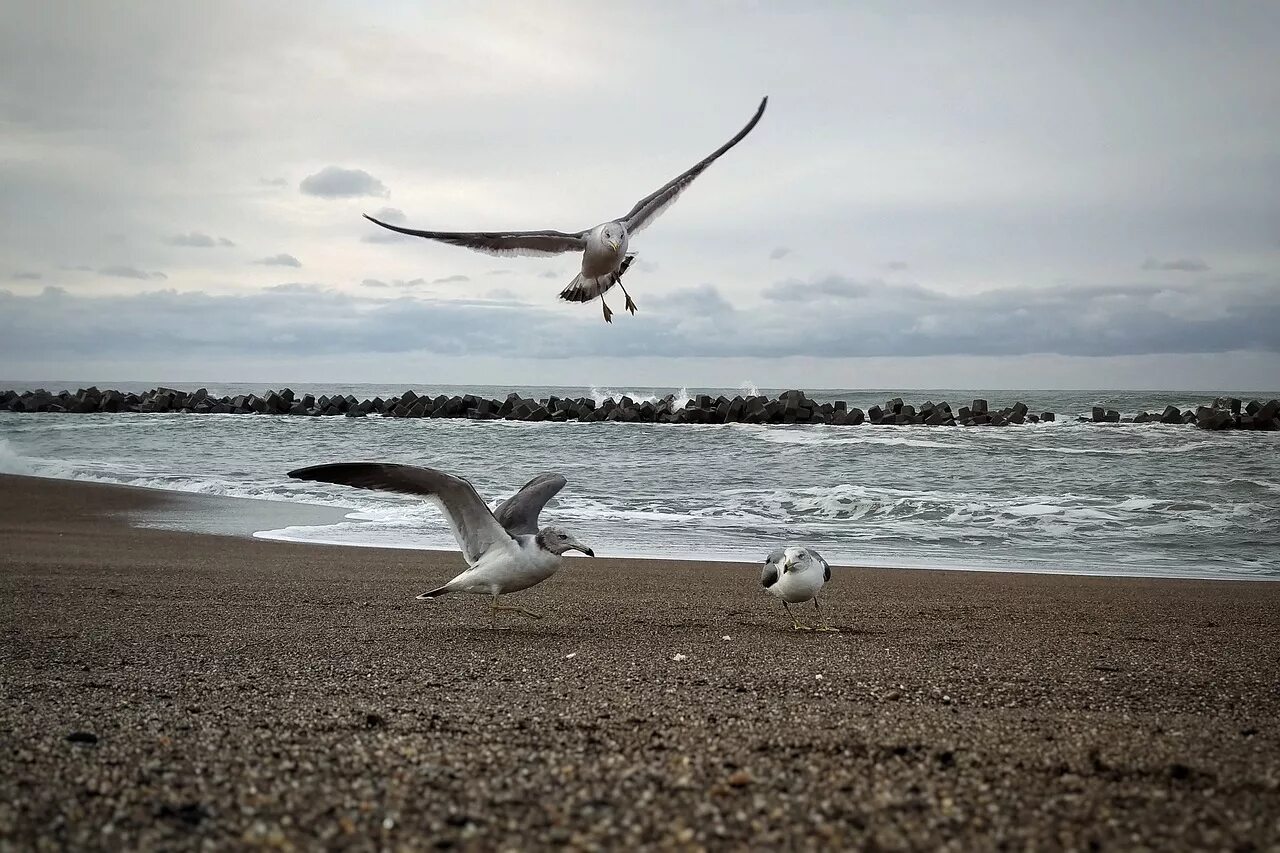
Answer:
(473, 525)
(648, 208)
(519, 513)
(826, 567)
(769, 575)
(501, 242)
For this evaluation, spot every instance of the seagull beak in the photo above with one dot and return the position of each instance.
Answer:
(575, 545)
(613, 244)
(788, 566)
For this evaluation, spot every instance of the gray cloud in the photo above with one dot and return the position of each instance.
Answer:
(398, 282)
(1228, 314)
(295, 287)
(452, 279)
(779, 253)
(549, 274)
(381, 235)
(27, 276)
(1176, 265)
(336, 182)
(121, 271)
(281, 260)
(498, 272)
(196, 239)
(898, 265)
(273, 182)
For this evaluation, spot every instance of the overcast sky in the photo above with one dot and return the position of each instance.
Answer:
(940, 194)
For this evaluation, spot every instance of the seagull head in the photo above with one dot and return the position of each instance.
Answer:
(795, 559)
(611, 234)
(558, 541)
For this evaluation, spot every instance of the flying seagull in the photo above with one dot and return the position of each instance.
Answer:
(604, 247)
(505, 551)
(796, 575)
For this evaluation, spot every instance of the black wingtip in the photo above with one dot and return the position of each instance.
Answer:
(323, 473)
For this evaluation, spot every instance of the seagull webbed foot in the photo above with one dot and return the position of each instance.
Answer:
(631, 306)
(608, 315)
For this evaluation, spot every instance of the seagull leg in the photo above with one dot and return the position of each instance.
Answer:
(795, 624)
(630, 306)
(493, 612)
(626, 262)
(608, 315)
(822, 620)
(513, 609)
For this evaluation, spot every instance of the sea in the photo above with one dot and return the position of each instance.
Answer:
(1061, 497)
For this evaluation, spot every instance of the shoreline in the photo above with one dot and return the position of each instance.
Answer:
(260, 518)
(178, 690)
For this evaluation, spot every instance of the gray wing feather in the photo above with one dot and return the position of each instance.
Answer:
(473, 525)
(648, 208)
(519, 513)
(501, 242)
(769, 575)
(826, 567)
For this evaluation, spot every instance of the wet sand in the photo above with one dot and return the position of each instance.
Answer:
(165, 689)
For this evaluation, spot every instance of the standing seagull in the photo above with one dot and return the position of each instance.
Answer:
(796, 575)
(505, 551)
(604, 248)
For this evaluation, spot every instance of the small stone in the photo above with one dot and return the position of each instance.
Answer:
(82, 737)
(739, 779)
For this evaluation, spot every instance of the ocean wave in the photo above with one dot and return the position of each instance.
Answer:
(599, 395)
(1067, 494)
(835, 436)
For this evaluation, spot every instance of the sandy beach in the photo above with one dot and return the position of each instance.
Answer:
(168, 689)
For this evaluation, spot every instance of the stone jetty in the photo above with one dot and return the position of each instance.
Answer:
(790, 407)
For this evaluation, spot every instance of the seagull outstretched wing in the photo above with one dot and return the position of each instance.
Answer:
(501, 242)
(519, 513)
(648, 208)
(473, 525)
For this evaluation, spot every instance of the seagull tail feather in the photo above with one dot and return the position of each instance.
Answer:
(583, 289)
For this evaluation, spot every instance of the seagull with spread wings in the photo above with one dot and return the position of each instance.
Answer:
(504, 549)
(603, 248)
